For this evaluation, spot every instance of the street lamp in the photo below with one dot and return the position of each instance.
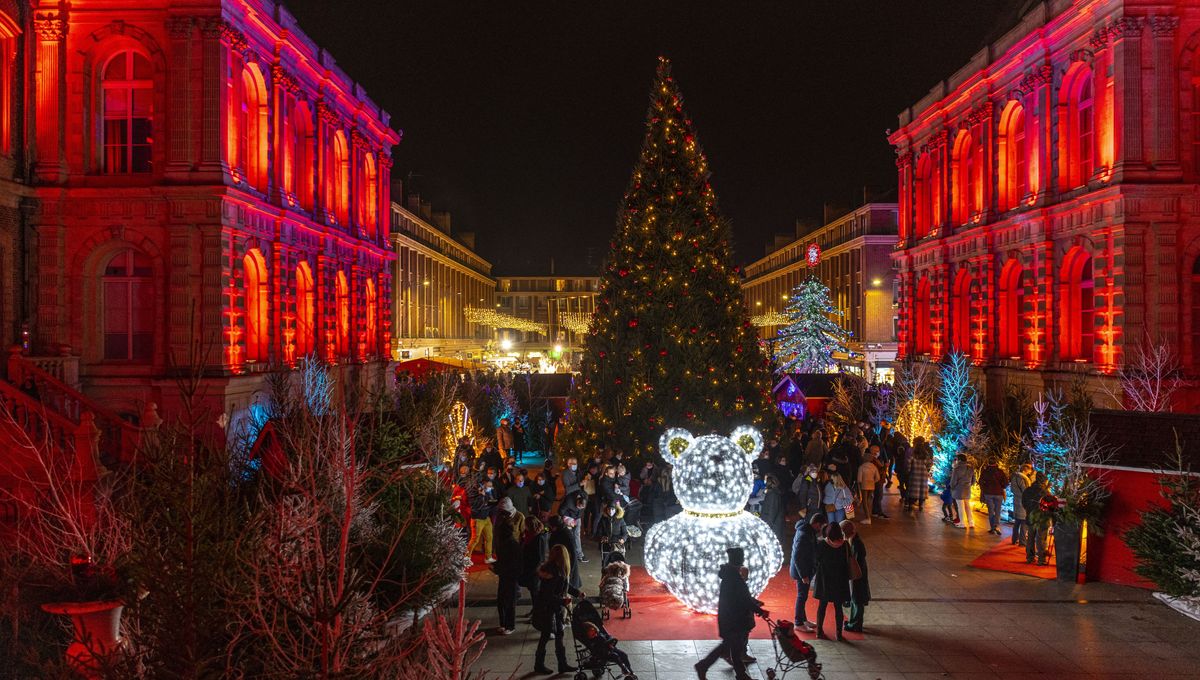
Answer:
(506, 344)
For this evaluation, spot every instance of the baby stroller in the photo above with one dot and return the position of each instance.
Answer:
(583, 618)
(791, 653)
(614, 586)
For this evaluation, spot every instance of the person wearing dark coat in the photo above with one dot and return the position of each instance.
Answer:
(543, 494)
(508, 567)
(519, 492)
(860, 589)
(491, 457)
(807, 491)
(571, 477)
(773, 507)
(804, 565)
(833, 577)
(736, 608)
(560, 534)
(549, 609)
(611, 529)
(535, 546)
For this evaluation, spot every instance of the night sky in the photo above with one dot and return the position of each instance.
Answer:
(524, 118)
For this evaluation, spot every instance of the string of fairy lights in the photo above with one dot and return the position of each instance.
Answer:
(771, 319)
(490, 317)
(575, 322)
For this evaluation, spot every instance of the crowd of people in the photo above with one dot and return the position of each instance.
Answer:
(535, 528)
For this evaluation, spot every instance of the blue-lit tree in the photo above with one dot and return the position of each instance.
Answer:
(812, 334)
(1048, 439)
(962, 426)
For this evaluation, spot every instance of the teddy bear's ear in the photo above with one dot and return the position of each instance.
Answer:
(674, 442)
(747, 439)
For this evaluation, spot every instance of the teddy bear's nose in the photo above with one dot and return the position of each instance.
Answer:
(715, 460)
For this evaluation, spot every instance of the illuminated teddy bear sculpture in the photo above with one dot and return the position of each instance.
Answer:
(712, 479)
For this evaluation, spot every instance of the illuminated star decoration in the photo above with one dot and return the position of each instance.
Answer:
(712, 478)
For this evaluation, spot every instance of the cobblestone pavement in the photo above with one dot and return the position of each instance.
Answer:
(932, 617)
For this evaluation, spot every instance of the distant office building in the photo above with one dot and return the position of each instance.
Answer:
(563, 305)
(437, 279)
(851, 255)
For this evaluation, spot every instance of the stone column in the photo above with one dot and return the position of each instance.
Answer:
(216, 41)
(180, 159)
(1166, 96)
(50, 84)
(1126, 36)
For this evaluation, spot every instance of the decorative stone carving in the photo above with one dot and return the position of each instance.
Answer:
(1081, 54)
(1164, 27)
(50, 26)
(1126, 27)
(180, 28)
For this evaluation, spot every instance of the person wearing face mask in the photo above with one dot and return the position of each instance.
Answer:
(588, 485)
(571, 477)
(519, 492)
(611, 532)
(807, 490)
(543, 495)
(574, 508)
(482, 501)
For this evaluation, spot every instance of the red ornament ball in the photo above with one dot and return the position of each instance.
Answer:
(633, 323)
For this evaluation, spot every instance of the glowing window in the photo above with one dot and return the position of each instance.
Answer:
(1077, 333)
(921, 321)
(8, 69)
(925, 193)
(372, 313)
(961, 331)
(370, 197)
(305, 304)
(127, 93)
(257, 305)
(1196, 313)
(1014, 170)
(250, 127)
(1011, 303)
(343, 315)
(966, 186)
(304, 165)
(128, 307)
(337, 187)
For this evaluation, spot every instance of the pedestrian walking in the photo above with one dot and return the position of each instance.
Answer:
(838, 497)
(736, 608)
(803, 563)
(962, 478)
(833, 577)
(992, 484)
(860, 588)
(1021, 479)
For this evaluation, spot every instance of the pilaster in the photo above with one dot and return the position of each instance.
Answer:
(1166, 97)
(50, 84)
(1126, 44)
(181, 31)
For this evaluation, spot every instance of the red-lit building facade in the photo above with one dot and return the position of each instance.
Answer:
(1049, 205)
(186, 173)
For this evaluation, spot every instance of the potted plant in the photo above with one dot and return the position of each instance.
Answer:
(1082, 495)
(70, 540)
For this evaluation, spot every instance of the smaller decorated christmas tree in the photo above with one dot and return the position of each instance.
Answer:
(813, 333)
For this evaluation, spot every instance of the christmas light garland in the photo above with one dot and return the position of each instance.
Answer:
(576, 322)
(770, 319)
(490, 317)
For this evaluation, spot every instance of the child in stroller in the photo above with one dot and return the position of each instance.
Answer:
(614, 586)
(595, 649)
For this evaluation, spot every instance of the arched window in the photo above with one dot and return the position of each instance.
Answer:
(961, 308)
(369, 196)
(1012, 293)
(257, 304)
(343, 315)
(925, 192)
(128, 307)
(127, 92)
(372, 322)
(967, 197)
(1078, 333)
(921, 321)
(287, 156)
(1079, 142)
(249, 127)
(1014, 166)
(304, 165)
(337, 178)
(305, 304)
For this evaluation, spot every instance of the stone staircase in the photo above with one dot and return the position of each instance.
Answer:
(39, 408)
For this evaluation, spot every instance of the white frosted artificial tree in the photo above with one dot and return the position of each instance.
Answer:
(812, 334)
(962, 424)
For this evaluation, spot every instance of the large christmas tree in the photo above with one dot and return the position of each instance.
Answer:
(811, 335)
(671, 344)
